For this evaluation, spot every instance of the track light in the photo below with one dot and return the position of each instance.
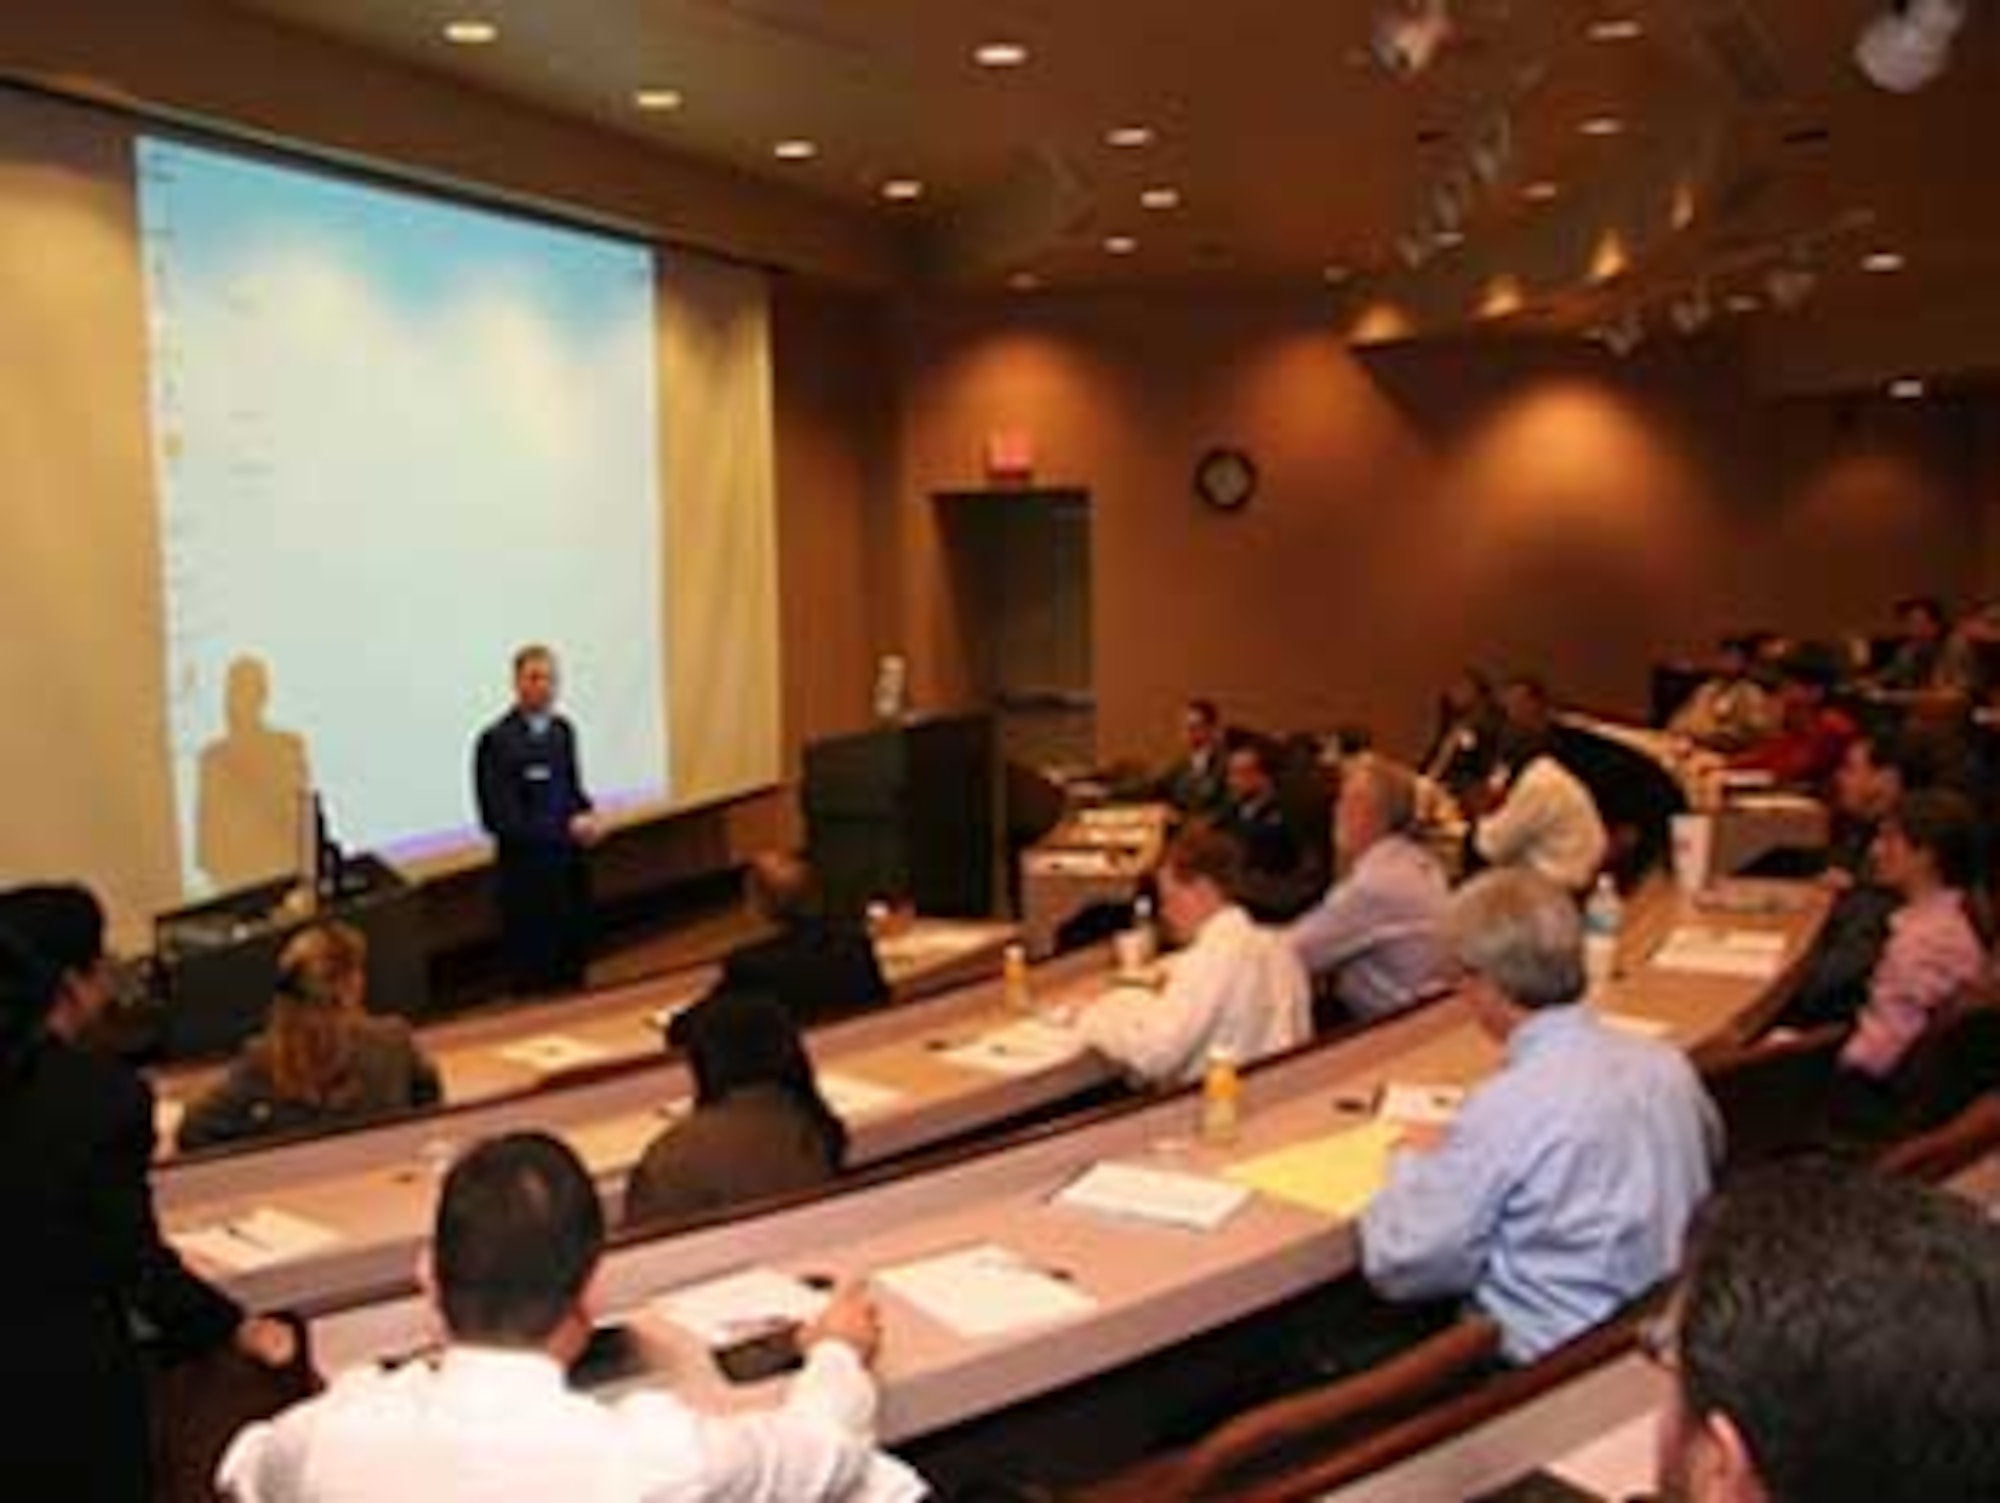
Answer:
(1909, 45)
(1409, 35)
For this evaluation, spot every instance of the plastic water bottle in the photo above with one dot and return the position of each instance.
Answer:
(1603, 919)
(1146, 935)
(1014, 979)
(1221, 1090)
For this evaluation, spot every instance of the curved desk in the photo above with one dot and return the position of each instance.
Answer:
(1151, 1285)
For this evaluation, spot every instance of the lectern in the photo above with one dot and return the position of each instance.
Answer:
(906, 812)
(218, 961)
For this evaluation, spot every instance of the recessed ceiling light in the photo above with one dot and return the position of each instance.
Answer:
(1160, 198)
(1616, 29)
(1541, 191)
(1448, 239)
(1120, 245)
(1602, 126)
(1883, 262)
(902, 190)
(1907, 389)
(657, 99)
(1129, 137)
(1000, 55)
(795, 151)
(471, 33)
(1024, 281)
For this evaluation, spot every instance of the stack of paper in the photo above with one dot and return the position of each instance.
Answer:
(554, 1052)
(852, 1097)
(720, 1312)
(1752, 954)
(264, 1237)
(1336, 1175)
(1411, 1105)
(1024, 1048)
(1159, 1195)
(986, 1290)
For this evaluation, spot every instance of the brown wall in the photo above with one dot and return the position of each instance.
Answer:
(1510, 503)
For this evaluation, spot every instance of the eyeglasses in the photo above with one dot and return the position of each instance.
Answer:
(1659, 1339)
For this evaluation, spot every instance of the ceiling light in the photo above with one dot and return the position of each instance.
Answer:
(1120, 245)
(1409, 34)
(902, 190)
(1882, 262)
(657, 99)
(1160, 198)
(795, 151)
(1448, 239)
(1616, 29)
(1000, 55)
(1909, 44)
(1602, 126)
(1907, 389)
(1542, 191)
(1129, 137)
(471, 33)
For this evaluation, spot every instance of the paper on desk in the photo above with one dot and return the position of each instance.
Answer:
(851, 1097)
(549, 1052)
(1638, 1027)
(1076, 863)
(264, 1237)
(1754, 954)
(1336, 1175)
(1412, 1105)
(720, 1311)
(1024, 1048)
(1161, 1195)
(986, 1290)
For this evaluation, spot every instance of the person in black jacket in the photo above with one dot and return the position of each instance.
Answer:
(83, 1265)
(532, 802)
(814, 965)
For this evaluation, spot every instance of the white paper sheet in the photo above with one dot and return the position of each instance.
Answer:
(1411, 1104)
(720, 1311)
(850, 1096)
(551, 1052)
(1024, 1048)
(986, 1290)
(1166, 1196)
(1638, 1027)
(1753, 954)
(264, 1237)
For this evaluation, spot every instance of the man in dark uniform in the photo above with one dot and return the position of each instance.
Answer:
(531, 801)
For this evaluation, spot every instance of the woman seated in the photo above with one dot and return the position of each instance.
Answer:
(323, 1060)
(759, 1126)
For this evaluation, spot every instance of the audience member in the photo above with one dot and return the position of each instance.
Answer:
(1236, 987)
(1928, 853)
(1466, 746)
(759, 1126)
(1194, 785)
(511, 1269)
(1931, 655)
(1378, 934)
(1545, 818)
(322, 1061)
(83, 1264)
(1835, 1340)
(814, 964)
(1812, 735)
(1564, 1186)
(1731, 710)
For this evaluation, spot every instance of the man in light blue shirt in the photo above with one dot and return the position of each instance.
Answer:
(1379, 933)
(1565, 1185)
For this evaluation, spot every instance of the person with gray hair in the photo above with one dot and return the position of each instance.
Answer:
(1564, 1186)
(1377, 937)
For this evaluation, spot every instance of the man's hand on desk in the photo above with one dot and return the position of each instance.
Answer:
(584, 828)
(850, 1317)
(269, 1342)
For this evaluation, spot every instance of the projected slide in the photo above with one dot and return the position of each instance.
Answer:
(395, 438)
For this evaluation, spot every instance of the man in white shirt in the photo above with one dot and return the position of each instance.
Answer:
(1379, 932)
(1546, 819)
(1236, 987)
(518, 1239)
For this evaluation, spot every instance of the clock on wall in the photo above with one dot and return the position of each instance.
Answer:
(1225, 479)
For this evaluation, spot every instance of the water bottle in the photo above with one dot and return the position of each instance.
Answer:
(1145, 935)
(1014, 979)
(1221, 1088)
(1603, 918)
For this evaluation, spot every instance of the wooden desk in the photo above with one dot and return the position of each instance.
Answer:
(1099, 855)
(374, 1189)
(621, 1024)
(1154, 1286)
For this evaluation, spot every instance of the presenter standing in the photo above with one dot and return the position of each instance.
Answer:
(531, 801)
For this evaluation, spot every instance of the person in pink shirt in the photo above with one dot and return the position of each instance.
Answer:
(1928, 851)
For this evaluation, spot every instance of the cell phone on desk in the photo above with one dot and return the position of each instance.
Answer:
(764, 1355)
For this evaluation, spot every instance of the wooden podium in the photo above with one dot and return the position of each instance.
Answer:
(906, 812)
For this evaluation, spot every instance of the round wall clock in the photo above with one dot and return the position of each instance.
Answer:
(1225, 479)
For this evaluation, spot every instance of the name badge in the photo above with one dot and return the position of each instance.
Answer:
(538, 772)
